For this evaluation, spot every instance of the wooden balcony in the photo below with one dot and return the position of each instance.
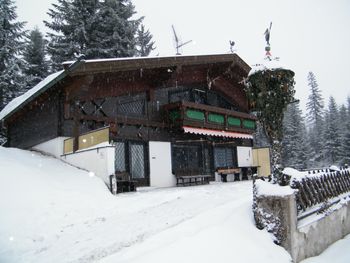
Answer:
(191, 114)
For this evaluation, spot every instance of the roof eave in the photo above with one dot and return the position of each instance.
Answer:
(50, 84)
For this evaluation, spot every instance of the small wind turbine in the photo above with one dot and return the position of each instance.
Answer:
(178, 42)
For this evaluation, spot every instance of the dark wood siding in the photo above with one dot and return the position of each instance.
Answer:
(37, 124)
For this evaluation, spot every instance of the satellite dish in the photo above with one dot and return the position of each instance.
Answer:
(178, 42)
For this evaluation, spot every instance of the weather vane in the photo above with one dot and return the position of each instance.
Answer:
(232, 43)
(267, 38)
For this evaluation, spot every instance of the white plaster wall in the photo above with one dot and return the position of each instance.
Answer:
(160, 165)
(306, 240)
(99, 161)
(53, 147)
(244, 156)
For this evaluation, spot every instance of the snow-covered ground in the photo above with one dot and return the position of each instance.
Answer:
(53, 212)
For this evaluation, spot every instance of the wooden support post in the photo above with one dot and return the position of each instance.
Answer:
(76, 129)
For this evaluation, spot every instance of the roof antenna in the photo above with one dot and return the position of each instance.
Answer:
(178, 42)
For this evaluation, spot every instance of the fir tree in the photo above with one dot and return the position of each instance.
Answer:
(345, 144)
(71, 28)
(11, 46)
(97, 29)
(34, 56)
(144, 43)
(115, 29)
(332, 140)
(294, 143)
(315, 114)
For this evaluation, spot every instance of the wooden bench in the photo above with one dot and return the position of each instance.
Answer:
(183, 179)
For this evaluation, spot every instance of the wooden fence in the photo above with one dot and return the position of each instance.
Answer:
(319, 187)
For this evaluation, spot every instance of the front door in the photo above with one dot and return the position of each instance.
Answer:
(132, 157)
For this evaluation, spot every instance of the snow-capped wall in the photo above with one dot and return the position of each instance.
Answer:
(98, 160)
(277, 212)
(53, 147)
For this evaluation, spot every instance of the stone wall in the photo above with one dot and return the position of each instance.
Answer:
(303, 239)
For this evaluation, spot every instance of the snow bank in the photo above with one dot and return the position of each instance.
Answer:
(52, 211)
(16, 102)
(41, 198)
(267, 189)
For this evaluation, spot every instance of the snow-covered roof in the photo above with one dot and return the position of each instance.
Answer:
(134, 63)
(113, 64)
(30, 94)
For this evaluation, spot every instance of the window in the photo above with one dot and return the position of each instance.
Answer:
(224, 157)
(132, 108)
(119, 157)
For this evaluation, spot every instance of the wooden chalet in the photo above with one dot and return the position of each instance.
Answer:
(155, 119)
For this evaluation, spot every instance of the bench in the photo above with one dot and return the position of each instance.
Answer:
(225, 171)
(121, 182)
(187, 179)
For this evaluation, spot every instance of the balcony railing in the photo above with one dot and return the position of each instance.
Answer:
(191, 114)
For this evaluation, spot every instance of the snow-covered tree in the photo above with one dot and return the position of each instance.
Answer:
(36, 67)
(315, 114)
(11, 46)
(294, 143)
(332, 137)
(97, 29)
(70, 29)
(144, 43)
(345, 140)
(269, 92)
(116, 29)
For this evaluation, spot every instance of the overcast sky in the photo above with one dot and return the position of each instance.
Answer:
(307, 35)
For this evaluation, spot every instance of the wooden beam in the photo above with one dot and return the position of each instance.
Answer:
(124, 120)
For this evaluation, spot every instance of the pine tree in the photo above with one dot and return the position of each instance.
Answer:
(71, 28)
(315, 113)
(294, 143)
(345, 144)
(36, 67)
(332, 140)
(115, 29)
(11, 46)
(97, 29)
(144, 43)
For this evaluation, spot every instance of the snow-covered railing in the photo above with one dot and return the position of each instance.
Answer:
(319, 187)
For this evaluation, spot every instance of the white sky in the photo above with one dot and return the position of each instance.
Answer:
(308, 35)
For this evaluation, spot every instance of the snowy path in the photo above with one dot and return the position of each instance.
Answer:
(52, 212)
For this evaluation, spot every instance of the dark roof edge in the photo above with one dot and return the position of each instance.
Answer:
(131, 63)
(47, 86)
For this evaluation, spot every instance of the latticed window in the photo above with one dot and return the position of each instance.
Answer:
(137, 168)
(224, 157)
(120, 157)
(132, 108)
